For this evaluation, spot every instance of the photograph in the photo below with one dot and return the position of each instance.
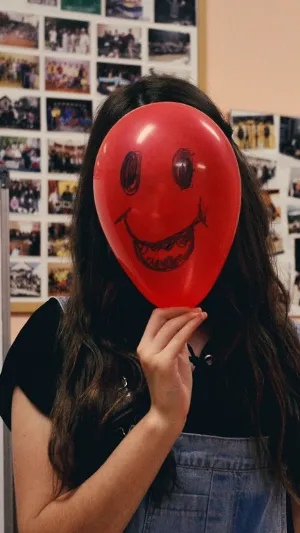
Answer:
(254, 132)
(176, 12)
(129, 9)
(290, 137)
(111, 76)
(20, 113)
(171, 46)
(67, 75)
(59, 239)
(293, 214)
(59, 279)
(25, 280)
(67, 36)
(271, 200)
(294, 185)
(19, 29)
(264, 170)
(276, 241)
(20, 153)
(24, 197)
(68, 115)
(65, 157)
(47, 3)
(18, 71)
(82, 6)
(61, 196)
(184, 74)
(119, 41)
(24, 238)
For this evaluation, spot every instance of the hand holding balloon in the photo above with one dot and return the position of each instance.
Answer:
(164, 357)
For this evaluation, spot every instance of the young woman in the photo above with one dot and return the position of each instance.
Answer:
(113, 427)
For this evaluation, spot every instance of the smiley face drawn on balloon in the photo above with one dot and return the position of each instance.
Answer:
(173, 251)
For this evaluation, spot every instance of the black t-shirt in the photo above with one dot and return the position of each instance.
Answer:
(34, 364)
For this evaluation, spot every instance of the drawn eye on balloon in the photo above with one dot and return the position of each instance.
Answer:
(171, 252)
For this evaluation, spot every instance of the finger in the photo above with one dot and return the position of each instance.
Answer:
(159, 317)
(171, 328)
(181, 338)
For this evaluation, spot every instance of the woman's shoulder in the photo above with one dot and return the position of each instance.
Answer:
(34, 361)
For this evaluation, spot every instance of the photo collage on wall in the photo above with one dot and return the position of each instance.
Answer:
(271, 144)
(59, 61)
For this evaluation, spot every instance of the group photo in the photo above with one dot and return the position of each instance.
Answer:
(65, 157)
(119, 42)
(20, 113)
(68, 115)
(254, 132)
(111, 76)
(25, 280)
(18, 71)
(61, 197)
(20, 153)
(59, 239)
(176, 12)
(24, 238)
(59, 279)
(67, 76)
(24, 196)
(19, 29)
(67, 36)
(170, 46)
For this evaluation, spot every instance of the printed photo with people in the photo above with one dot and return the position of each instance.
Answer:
(82, 6)
(265, 171)
(59, 279)
(128, 9)
(65, 157)
(24, 196)
(176, 12)
(293, 214)
(119, 42)
(111, 76)
(20, 153)
(68, 115)
(24, 238)
(19, 71)
(254, 132)
(59, 239)
(290, 137)
(171, 46)
(67, 36)
(294, 182)
(20, 113)
(67, 75)
(19, 29)
(61, 197)
(25, 280)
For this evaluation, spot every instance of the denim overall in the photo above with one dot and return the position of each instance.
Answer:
(223, 488)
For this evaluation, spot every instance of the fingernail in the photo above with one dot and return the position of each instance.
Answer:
(197, 311)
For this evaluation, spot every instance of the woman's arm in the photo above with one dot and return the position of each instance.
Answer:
(106, 501)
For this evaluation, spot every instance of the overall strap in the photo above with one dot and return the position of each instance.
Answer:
(63, 301)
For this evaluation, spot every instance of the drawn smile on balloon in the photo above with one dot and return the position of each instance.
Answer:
(169, 253)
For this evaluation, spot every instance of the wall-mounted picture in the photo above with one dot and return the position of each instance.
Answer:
(271, 199)
(19, 71)
(68, 115)
(290, 136)
(59, 239)
(47, 3)
(277, 246)
(67, 36)
(254, 132)
(20, 113)
(111, 76)
(119, 41)
(19, 29)
(176, 12)
(25, 280)
(171, 46)
(24, 238)
(264, 169)
(59, 279)
(82, 6)
(131, 9)
(20, 153)
(67, 75)
(294, 185)
(24, 196)
(293, 214)
(65, 157)
(61, 197)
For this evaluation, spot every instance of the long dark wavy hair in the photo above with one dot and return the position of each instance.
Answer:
(106, 317)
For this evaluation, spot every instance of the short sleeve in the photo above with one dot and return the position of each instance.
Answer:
(34, 362)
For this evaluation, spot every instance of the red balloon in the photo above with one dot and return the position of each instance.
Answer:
(167, 191)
